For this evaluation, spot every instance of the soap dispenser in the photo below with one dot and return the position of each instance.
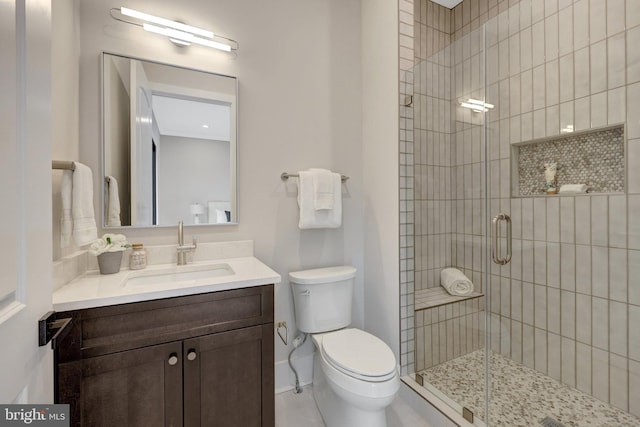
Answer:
(138, 257)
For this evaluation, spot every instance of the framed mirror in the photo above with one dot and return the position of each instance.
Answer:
(169, 144)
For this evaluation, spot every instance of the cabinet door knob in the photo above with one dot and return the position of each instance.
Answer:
(173, 359)
(191, 354)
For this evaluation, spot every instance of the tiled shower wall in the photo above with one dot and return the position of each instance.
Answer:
(568, 304)
(449, 331)
(432, 122)
(595, 159)
(407, 341)
(432, 29)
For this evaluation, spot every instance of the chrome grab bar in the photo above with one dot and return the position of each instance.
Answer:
(495, 241)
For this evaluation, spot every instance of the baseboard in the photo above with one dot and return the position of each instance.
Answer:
(285, 379)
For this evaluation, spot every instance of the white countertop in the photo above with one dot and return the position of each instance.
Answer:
(93, 289)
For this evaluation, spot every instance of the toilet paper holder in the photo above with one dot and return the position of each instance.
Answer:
(283, 325)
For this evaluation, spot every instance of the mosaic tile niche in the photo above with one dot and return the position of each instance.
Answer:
(595, 158)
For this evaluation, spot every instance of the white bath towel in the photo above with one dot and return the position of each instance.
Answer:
(324, 182)
(455, 282)
(66, 225)
(573, 188)
(113, 202)
(84, 219)
(309, 216)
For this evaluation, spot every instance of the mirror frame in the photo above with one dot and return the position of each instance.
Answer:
(234, 148)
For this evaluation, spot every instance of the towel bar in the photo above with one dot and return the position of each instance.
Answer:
(285, 176)
(63, 164)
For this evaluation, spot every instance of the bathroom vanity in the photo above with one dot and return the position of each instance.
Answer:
(202, 358)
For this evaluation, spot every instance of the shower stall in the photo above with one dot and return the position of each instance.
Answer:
(511, 101)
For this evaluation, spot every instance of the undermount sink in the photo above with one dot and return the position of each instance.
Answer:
(185, 277)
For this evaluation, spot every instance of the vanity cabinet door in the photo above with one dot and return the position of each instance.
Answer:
(228, 379)
(133, 388)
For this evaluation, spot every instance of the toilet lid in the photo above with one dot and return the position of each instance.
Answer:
(359, 354)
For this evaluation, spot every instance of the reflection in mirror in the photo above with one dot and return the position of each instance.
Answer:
(170, 141)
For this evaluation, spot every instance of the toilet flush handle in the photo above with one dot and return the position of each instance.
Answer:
(306, 292)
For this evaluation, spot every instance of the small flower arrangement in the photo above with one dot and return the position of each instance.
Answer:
(109, 243)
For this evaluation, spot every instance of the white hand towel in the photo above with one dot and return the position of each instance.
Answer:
(573, 188)
(66, 226)
(113, 203)
(84, 219)
(455, 282)
(323, 188)
(309, 216)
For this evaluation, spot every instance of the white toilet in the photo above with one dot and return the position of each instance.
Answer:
(355, 375)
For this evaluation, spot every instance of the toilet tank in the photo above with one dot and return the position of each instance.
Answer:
(322, 298)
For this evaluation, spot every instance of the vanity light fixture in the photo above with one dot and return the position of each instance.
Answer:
(476, 105)
(179, 33)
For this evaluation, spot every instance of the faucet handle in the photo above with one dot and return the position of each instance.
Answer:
(194, 241)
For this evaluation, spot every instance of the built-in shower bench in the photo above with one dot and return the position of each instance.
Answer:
(435, 297)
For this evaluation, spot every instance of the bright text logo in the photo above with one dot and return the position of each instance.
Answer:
(36, 415)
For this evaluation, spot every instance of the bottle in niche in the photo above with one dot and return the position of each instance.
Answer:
(138, 257)
(550, 170)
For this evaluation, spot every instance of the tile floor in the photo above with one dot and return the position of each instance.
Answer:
(293, 410)
(520, 396)
(299, 410)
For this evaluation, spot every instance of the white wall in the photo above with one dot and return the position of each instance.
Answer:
(380, 133)
(65, 74)
(207, 164)
(300, 103)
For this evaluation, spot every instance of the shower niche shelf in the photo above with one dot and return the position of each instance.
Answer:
(594, 157)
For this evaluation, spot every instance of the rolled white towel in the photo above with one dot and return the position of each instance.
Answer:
(573, 188)
(455, 282)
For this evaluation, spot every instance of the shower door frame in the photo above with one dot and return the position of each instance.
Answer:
(410, 141)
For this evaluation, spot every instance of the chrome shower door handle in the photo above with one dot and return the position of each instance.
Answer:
(509, 251)
(495, 239)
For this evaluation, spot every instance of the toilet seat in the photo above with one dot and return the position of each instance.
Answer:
(359, 354)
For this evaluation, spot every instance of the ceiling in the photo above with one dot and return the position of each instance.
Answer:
(448, 3)
(188, 118)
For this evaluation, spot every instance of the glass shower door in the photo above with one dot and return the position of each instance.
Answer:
(541, 98)
(451, 202)
(560, 329)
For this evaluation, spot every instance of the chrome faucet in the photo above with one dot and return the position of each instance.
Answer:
(182, 249)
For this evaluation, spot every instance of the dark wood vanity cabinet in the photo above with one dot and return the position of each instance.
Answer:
(202, 360)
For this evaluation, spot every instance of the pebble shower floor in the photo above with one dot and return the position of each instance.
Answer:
(520, 396)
